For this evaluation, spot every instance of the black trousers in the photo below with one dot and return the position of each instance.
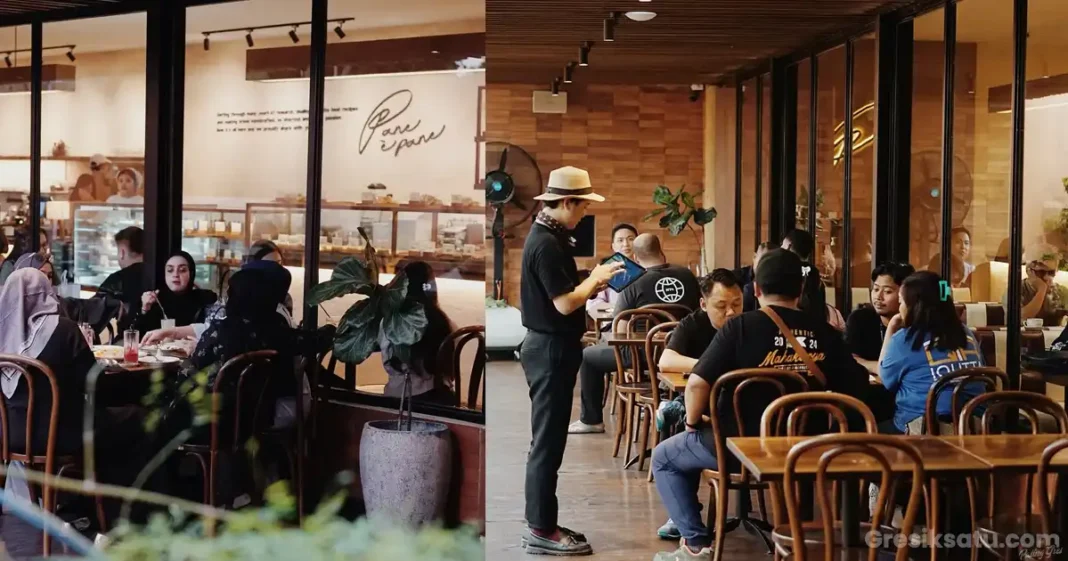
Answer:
(551, 364)
(597, 360)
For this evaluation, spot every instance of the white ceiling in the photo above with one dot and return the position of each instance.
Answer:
(128, 31)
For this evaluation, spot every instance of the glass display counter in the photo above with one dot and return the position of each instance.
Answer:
(95, 226)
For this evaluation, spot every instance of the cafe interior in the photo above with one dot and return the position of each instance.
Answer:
(318, 130)
(892, 132)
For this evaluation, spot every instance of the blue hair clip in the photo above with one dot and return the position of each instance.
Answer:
(944, 290)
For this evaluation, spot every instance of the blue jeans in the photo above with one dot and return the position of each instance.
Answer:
(677, 465)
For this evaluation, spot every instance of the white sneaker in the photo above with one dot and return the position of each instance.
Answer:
(578, 427)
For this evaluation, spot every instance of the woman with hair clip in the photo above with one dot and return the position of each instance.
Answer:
(426, 372)
(924, 341)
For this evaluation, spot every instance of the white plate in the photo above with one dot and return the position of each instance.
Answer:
(113, 352)
(150, 359)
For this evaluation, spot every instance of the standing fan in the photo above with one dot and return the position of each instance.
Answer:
(926, 197)
(512, 176)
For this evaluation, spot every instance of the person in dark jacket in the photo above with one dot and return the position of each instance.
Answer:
(178, 299)
(128, 283)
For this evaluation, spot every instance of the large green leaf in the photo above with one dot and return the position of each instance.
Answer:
(703, 216)
(394, 294)
(357, 343)
(403, 353)
(350, 276)
(653, 214)
(687, 199)
(360, 314)
(662, 195)
(676, 226)
(406, 325)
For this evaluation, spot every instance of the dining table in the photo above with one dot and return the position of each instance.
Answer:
(123, 383)
(675, 382)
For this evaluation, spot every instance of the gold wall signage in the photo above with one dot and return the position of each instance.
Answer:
(862, 136)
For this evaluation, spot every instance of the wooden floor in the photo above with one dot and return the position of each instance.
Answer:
(617, 510)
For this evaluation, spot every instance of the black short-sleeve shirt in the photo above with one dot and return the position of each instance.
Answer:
(693, 335)
(864, 333)
(549, 271)
(662, 284)
(752, 340)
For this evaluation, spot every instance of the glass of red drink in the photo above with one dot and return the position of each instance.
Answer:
(131, 343)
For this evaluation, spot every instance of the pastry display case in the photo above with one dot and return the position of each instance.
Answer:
(449, 237)
(216, 239)
(95, 226)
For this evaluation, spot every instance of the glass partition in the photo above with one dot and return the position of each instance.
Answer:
(750, 237)
(15, 141)
(830, 184)
(863, 171)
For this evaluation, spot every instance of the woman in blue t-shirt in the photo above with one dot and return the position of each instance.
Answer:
(924, 341)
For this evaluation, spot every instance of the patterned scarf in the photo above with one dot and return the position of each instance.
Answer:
(556, 227)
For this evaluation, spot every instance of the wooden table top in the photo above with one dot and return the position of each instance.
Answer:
(766, 457)
(602, 314)
(1012, 452)
(676, 380)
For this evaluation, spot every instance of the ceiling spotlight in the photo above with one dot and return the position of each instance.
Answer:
(435, 52)
(207, 43)
(640, 15)
(248, 39)
(584, 54)
(7, 60)
(645, 0)
(556, 86)
(293, 34)
(569, 71)
(70, 54)
(340, 32)
(610, 26)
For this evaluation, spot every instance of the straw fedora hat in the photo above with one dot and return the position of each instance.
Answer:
(569, 182)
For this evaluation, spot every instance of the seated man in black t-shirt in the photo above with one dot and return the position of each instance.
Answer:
(751, 340)
(866, 326)
(661, 283)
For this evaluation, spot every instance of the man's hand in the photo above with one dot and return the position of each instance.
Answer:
(604, 272)
(1036, 281)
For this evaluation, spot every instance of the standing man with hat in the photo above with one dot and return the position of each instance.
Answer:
(553, 304)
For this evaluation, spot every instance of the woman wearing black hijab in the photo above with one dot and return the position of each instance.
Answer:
(179, 298)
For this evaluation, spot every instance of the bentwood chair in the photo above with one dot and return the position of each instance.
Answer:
(824, 451)
(655, 342)
(993, 529)
(450, 353)
(631, 326)
(789, 416)
(36, 373)
(1046, 515)
(987, 376)
(732, 386)
(677, 311)
(241, 383)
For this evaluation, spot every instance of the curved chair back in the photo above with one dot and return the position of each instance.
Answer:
(654, 347)
(986, 375)
(677, 311)
(32, 371)
(451, 351)
(1029, 404)
(833, 446)
(1043, 482)
(737, 382)
(249, 375)
(833, 404)
(638, 323)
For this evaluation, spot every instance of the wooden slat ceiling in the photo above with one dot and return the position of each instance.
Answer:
(23, 7)
(690, 41)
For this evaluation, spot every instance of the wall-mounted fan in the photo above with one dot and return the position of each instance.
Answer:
(512, 178)
(926, 197)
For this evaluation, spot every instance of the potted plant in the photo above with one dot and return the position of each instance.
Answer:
(680, 212)
(405, 465)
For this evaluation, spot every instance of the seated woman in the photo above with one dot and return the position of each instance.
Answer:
(32, 326)
(923, 342)
(179, 299)
(38, 261)
(426, 372)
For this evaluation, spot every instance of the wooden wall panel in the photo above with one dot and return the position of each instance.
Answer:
(630, 139)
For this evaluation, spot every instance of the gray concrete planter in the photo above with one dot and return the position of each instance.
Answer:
(405, 475)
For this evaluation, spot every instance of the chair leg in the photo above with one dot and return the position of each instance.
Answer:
(974, 517)
(643, 445)
(656, 442)
(631, 413)
(610, 388)
(607, 390)
(621, 421)
(722, 503)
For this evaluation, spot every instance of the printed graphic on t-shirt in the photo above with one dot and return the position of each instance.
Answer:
(669, 290)
(941, 362)
(783, 356)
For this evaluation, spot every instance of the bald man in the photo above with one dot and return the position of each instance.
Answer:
(662, 283)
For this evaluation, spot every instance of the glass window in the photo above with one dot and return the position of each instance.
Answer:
(246, 140)
(15, 142)
(925, 199)
(830, 185)
(1044, 294)
(92, 142)
(750, 236)
(765, 158)
(400, 161)
(804, 151)
(863, 171)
